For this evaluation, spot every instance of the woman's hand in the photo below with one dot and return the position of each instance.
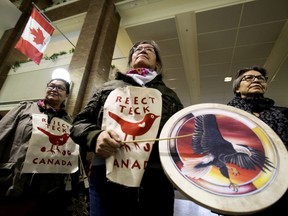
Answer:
(107, 143)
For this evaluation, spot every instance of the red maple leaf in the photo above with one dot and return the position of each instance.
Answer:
(38, 35)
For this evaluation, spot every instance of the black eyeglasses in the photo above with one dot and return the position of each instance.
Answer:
(148, 49)
(251, 78)
(57, 87)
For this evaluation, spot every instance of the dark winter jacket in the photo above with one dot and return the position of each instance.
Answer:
(87, 124)
(275, 118)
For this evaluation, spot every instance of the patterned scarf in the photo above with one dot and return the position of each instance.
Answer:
(269, 114)
(251, 105)
(49, 111)
(142, 75)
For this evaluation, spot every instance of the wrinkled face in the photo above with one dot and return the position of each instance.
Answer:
(56, 92)
(144, 56)
(253, 83)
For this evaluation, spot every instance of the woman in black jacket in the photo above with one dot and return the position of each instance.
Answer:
(134, 106)
(249, 87)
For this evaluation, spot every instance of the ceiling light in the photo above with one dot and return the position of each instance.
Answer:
(61, 73)
(227, 79)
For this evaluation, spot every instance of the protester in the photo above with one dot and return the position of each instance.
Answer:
(34, 149)
(120, 125)
(249, 87)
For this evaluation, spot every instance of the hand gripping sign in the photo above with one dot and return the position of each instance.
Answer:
(224, 158)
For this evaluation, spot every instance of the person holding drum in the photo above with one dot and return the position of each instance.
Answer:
(249, 87)
(120, 125)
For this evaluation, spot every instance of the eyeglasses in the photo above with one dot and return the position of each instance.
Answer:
(251, 78)
(139, 49)
(57, 87)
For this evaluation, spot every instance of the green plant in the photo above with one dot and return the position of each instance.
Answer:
(17, 64)
(53, 58)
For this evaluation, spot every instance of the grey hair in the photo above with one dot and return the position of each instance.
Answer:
(157, 53)
(239, 76)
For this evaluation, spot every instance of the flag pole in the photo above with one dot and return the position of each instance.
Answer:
(52, 23)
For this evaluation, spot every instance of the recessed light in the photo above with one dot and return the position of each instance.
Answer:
(227, 79)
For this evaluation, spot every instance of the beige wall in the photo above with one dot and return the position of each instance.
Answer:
(29, 80)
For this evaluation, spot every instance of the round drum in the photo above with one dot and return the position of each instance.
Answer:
(224, 158)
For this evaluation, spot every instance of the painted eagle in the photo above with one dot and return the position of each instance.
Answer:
(208, 142)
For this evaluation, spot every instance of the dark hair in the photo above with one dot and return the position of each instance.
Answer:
(67, 84)
(157, 53)
(238, 75)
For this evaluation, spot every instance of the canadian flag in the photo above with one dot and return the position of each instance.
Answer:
(35, 37)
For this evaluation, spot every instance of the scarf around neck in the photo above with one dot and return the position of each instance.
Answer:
(142, 75)
(252, 104)
(49, 111)
(269, 114)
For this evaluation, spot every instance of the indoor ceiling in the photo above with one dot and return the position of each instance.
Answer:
(204, 41)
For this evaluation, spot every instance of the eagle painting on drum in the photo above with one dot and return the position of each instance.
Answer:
(223, 156)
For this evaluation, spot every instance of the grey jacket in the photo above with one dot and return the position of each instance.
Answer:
(16, 130)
